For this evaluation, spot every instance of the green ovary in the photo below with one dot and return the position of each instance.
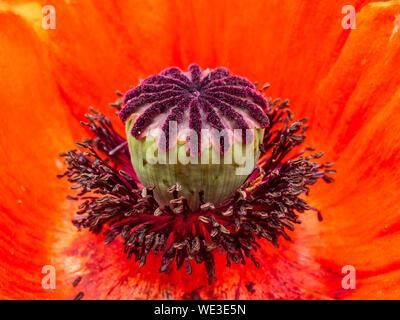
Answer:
(218, 179)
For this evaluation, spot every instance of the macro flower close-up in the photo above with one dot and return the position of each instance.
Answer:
(281, 117)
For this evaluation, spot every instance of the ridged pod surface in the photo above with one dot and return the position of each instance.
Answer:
(200, 129)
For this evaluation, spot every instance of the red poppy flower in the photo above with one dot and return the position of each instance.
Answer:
(344, 81)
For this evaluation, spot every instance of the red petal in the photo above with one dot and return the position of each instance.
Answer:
(347, 82)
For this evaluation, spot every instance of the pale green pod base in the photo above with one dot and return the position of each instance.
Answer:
(218, 181)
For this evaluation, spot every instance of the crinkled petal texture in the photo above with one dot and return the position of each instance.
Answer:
(344, 81)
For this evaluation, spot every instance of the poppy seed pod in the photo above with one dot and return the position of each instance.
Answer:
(204, 140)
(200, 130)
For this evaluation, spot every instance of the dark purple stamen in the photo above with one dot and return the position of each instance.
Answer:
(76, 281)
(265, 207)
(219, 95)
(79, 296)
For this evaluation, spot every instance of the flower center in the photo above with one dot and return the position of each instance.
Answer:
(264, 207)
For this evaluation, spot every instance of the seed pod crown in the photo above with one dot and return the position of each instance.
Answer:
(197, 99)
